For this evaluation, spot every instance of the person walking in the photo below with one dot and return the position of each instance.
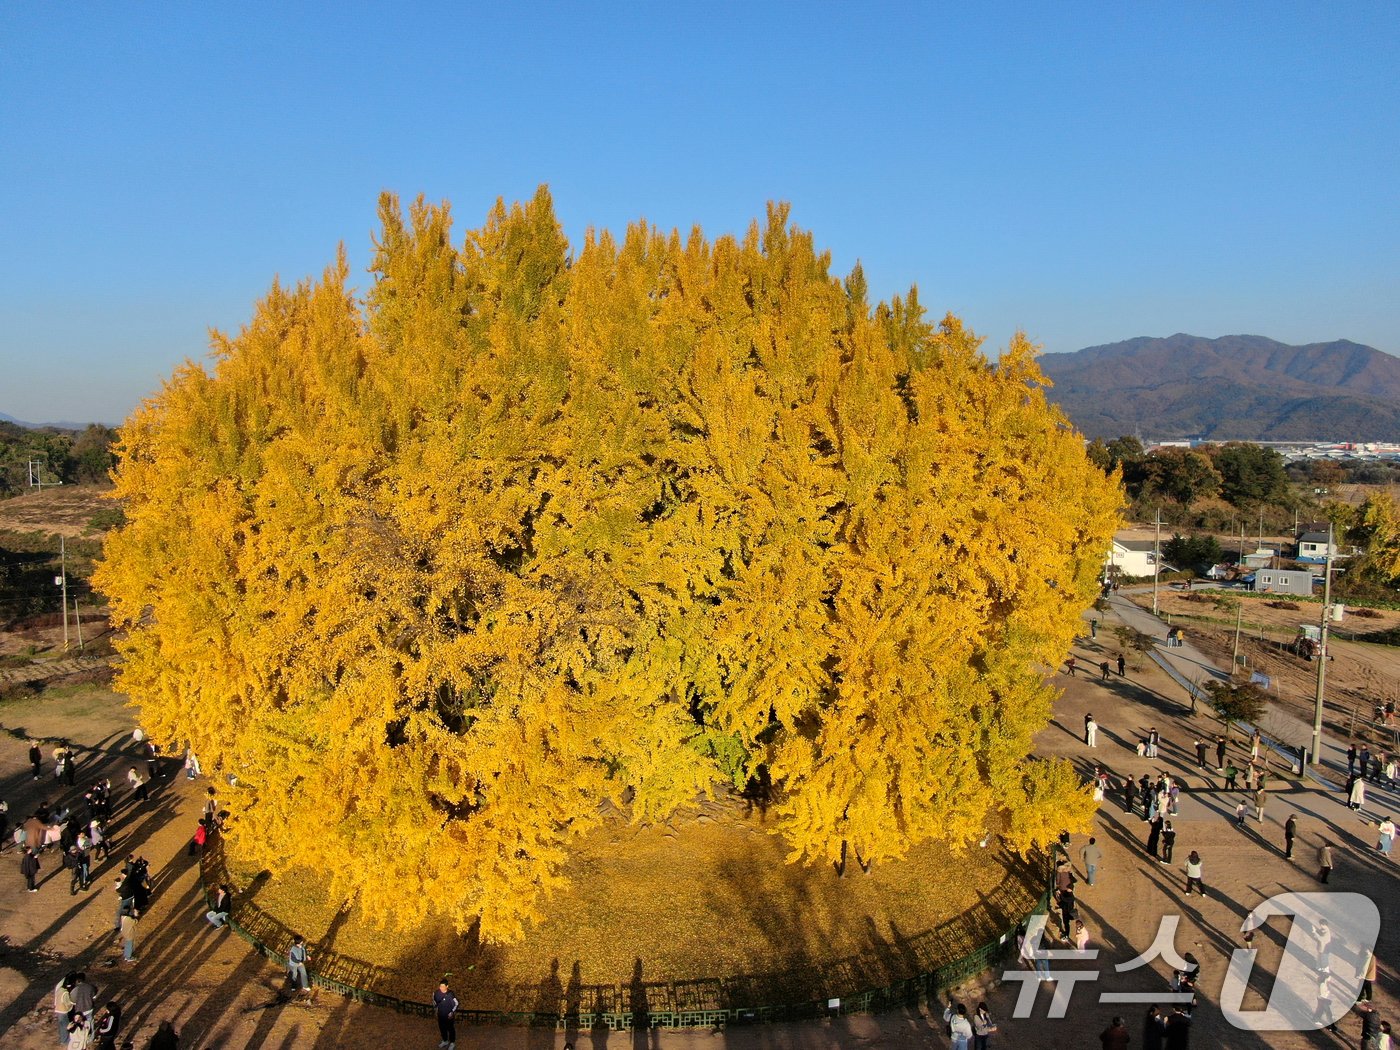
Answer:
(1290, 832)
(36, 758)
(1103, 671)
(1093, 628)
(29, 868)
(139, 791)
(1324, 861)
(128, 937)
(1091, 732)
(959, 1027)
(1193, 874)
(1091, 856)
(1385, 836)
(1070, 665)
(982, 1028)
(1168, 842)
(1115, 1036)
(445, 1004)
(1122, 666)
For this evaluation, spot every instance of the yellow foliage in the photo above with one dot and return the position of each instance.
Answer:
(438, 572)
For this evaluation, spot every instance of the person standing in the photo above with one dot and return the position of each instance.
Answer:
(1122, 666)
(1357, 798)
(1129, 793)
(1154, 836)
(1153, 1029)
(1193, 874)
(1168, 842)
(1363, 761)
(982, 1027)
(1324, 861)
(445, 1003)
(1241, 812)
(959, 1027)
(36, 758)
(1200, 758)
(1385, 836)
(1351, 760)
(297, 958)
(1178, 1029)
(1093, 628)
(1154, 740)
(1103, 671)
(79, 1028)
(29, 868)
(1260, 797)
(1091, 732)
(1290, 832)
(1091, 856)
(109, 1023)
(1066, 901)
(139, 791)
(1254, 746)
(128, 937)
(1220, 746)
(1115, 1036)
(1368, 978)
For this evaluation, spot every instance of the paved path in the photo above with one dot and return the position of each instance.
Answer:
(1192, 669)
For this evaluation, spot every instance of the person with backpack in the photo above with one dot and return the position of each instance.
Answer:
(959, 1027)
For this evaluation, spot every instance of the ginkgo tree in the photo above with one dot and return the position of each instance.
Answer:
(437, 571)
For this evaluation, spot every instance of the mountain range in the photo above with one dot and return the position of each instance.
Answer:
(1243, 387)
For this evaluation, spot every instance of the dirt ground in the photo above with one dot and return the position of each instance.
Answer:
(63, 510)
(681, 906)
(1359, 676)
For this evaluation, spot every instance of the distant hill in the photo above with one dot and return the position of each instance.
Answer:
(61, 425)
(1243, 387)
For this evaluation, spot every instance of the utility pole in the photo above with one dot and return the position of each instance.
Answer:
(78, 621)
(1235, 656)
(1156, 560)
(63, 583)
(1322, 650)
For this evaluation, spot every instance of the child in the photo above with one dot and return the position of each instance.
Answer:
(1240, 811)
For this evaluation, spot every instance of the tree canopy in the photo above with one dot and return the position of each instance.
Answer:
(437, 572)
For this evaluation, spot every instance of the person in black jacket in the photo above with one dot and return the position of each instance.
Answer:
(1178, 1030)
(1153, 1029)
(29, 868)
(445, 1003)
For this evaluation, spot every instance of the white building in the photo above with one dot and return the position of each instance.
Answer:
(1128, 557)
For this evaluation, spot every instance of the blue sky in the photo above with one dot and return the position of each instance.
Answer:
(1086, 172)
